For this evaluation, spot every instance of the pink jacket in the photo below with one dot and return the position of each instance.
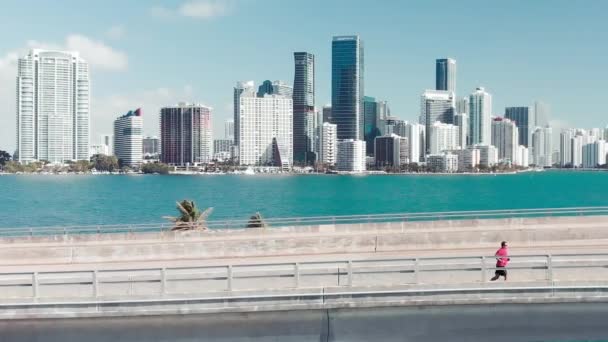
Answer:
(502, 262)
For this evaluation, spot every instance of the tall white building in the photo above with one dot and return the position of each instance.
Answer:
(443, 137)
(541, 114)
(565, 147)
(505, 136)
(594, 154)
(522, 156)
(53, 107)
(462, 105)
(329, 143)
(351, 155)
(468, 159)
(542, 146)
(436, 105)
(462, 122)
(416, 138)
(265, 128)
(128, 138)
(480, 116)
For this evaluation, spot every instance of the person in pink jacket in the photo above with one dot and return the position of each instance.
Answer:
(502, 259)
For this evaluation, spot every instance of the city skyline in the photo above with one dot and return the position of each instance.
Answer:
(122, 77)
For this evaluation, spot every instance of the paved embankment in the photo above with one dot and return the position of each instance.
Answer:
(460, 323)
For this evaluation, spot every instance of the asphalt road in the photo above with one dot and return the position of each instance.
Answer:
(497, 323)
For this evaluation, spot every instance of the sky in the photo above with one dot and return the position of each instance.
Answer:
(151, 54)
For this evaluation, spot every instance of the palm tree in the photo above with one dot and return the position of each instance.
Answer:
(256, 221)
(191, 218)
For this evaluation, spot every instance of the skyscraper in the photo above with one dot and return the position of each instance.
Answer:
(303, 107)
(347, 86)
(53, 107)
(185, 133)
(442, 137)
(128, 138)
(505, 137)
(480, 114)
(265, 126)
(524, 119)
(436, 105)
(542, 146)
(416, 138)
(565, 147)
(445, 74)
(236, 102)
(229, 129)
(351, 155)
(326, 113)
(462, 105)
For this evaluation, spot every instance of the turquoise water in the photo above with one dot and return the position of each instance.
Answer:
(37, 200)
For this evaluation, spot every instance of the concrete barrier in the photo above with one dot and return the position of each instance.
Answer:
(323, 239)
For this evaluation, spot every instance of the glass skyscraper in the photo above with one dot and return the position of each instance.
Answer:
(303, 107)
(347, 86)
(524, 119)
(445, 74)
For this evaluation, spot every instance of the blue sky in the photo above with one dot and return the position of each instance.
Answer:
(153, 53)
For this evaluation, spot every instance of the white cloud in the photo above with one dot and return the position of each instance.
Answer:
(201, 9)
(97, 53)
(204, 8)
(116, 32)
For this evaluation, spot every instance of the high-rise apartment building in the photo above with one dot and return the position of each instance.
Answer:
(443, 162)
(326, 113)
(488, 155)
(436, 105)
(480, 116)
(445, 74)
(303, 107)
(351, 155)
(229, 129)
(442, 137)
(347, 86)
(505, 137)
(328, 146)
(53, 107)
(236, 102)
(565, 147)
(391, 150)
(128, 138)
(594, 154)
(542, 146)
(416, 138)
(265, 127)
(524, 119)
(186, 134)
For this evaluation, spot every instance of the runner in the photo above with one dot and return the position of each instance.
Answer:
(502, 259)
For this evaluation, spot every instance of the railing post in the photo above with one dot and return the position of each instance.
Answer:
(296, 274)
(163, 281)
(350, 273)
(483, 269)
(550, 268)
(416, 271)
(229, 278)
(35, 292)
(95, 284)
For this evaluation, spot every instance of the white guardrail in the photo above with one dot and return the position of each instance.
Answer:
(425, 273)
(311, 221)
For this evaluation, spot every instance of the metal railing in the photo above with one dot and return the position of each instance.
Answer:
(473, 271)
(312, 221)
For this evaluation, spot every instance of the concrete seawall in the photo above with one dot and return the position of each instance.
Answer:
(321, 239)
